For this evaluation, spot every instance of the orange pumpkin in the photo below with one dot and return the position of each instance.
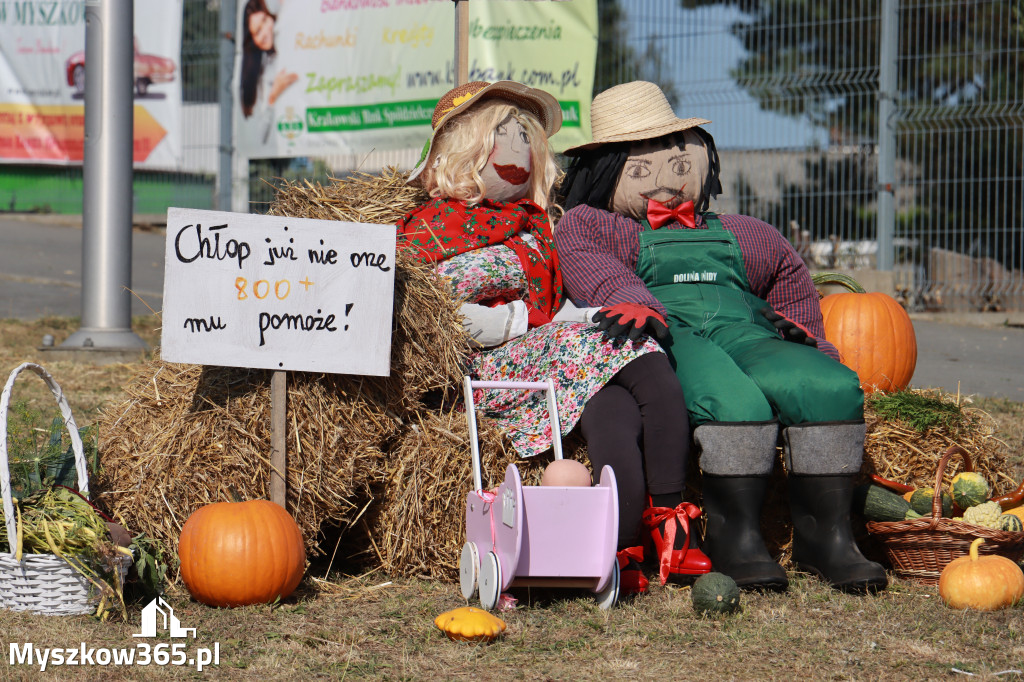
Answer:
(874, 335)
(238, 553)
(983, 583)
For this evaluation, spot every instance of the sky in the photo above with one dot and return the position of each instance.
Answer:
(699, 52)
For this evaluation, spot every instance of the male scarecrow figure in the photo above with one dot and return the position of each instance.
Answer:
(746, 334)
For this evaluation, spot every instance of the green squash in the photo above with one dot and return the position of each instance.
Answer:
(715, 593)
(875, 503)
(921, 502)
(969, 489)
(1011, 522)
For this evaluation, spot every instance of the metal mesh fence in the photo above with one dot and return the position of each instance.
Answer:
(960, 128)
(792, 88)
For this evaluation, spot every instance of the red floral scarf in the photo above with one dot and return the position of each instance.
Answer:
(443, 228)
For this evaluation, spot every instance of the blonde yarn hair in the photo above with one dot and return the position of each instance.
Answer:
(462, 147)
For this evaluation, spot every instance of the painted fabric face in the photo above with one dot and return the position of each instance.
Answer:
(668, 170)
(506, 174)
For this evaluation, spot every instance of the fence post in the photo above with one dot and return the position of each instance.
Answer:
(461, 42)
(226, 102)
(887, 93)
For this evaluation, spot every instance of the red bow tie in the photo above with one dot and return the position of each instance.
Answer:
(659, 214)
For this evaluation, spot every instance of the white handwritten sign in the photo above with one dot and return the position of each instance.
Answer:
(244, 290)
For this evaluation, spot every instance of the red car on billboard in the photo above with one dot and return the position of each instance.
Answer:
(149, 69)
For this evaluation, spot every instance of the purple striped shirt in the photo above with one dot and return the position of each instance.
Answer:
(597, 252)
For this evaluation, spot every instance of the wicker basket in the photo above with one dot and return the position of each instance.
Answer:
(920, 548)
(41, 583)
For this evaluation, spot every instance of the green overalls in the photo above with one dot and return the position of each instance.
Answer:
(731, 361)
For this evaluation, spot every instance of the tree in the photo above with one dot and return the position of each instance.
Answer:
(959, 119)
(618, 61)
(200, 50)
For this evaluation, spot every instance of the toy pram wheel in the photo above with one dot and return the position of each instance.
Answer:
(607, 597)
(469, 569)
(490, 581)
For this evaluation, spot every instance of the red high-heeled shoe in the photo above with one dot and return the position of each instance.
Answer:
(664, 524)
(631, 576)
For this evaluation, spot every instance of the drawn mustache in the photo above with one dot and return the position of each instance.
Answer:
(674, 194)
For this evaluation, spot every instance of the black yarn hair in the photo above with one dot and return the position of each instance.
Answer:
(592, 174)
(252, 58)
(712, 183)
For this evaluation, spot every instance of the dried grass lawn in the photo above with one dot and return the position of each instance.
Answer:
(373, 627)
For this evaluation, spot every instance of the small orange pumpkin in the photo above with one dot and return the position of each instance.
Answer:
(873, 333)
(238, 553)
(983, 583)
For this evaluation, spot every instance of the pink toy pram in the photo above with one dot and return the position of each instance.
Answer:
(544, 536)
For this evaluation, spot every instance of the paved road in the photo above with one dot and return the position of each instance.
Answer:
(980, 360)
(41, 267)
(40, 274)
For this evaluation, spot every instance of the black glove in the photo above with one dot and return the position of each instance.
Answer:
(631, 320)
(790, 330)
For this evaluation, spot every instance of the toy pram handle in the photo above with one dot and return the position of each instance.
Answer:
(556, 431)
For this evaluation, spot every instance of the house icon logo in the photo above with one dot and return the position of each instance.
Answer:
(158, 614)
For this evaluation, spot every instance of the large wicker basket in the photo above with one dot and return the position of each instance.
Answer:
(920, 548)
(41, 583)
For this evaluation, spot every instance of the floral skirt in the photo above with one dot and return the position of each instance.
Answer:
(571, 353)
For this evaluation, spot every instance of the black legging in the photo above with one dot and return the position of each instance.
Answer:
(642, 403)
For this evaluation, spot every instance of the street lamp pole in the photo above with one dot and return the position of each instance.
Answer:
(107, 181)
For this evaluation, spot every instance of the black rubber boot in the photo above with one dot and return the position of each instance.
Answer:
(823, 541)
(733, 541)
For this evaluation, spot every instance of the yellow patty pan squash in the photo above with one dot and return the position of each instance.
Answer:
(467, 624)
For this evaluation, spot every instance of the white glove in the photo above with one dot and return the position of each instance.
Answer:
(491, 327)
(570, 313)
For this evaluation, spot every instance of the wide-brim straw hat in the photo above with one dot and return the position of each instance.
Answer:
(631, 112)
(462, 98)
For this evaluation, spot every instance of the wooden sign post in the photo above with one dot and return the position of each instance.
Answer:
(245, 290)
(461, 42)
(279, 437)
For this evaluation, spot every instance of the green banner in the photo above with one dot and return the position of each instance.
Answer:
(387, 115)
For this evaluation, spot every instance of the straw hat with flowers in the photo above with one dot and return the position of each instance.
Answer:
(462, 98)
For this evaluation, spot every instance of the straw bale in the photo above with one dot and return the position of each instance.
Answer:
(187, 435)
(896, 451)
(360, 198)
(419, 528)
